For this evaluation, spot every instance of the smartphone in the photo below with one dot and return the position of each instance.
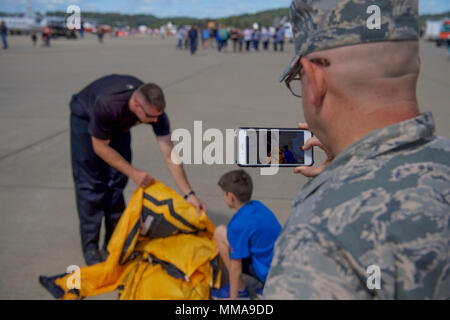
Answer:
(264, 147)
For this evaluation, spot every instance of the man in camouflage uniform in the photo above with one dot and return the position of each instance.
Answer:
(381, 201)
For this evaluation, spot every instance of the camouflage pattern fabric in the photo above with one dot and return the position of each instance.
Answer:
(385, 201)
(326, 24)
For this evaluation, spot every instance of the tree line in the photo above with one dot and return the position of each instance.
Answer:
(264, 18)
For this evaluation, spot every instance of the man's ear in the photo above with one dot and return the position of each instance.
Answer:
(315, 78)
(131, 102)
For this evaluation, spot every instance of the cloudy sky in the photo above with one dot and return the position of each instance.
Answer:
(192, 8)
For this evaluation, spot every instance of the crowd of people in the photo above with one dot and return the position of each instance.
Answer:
(46, 35)
(248, 39)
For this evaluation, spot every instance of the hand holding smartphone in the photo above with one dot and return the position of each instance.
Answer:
(263, 147)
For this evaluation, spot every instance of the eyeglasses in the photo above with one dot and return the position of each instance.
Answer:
(145, 113)
(296, 90)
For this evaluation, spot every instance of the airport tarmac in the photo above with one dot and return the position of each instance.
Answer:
(39, 228)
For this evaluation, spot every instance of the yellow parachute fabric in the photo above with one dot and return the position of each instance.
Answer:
(187, 252)
(181, 265)
(145, 281)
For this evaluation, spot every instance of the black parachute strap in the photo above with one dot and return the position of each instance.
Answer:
(169, 203)
(75, 292)
(120, 288)
(128, 242)
(171, 269)
(160, 227)
(49, 284)
(55, 290)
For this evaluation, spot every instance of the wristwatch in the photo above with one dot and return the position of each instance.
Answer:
(189, 194)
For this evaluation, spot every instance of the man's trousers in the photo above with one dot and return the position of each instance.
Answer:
(98, 186)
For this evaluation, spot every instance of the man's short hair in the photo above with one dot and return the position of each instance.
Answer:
(239, 183)
(153, 95)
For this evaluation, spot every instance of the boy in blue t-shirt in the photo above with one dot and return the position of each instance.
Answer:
(246, 243)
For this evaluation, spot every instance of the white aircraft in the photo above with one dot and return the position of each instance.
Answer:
(288, 33)
(26, 24)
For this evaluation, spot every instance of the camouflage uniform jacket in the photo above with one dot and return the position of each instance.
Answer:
(384, 201)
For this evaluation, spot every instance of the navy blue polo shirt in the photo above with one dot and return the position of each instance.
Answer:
(104, 103)
(251, 234)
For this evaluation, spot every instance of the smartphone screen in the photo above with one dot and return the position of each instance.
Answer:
(280, 147)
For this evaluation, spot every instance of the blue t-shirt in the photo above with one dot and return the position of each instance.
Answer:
(252, 233)
(205, 34)
(289, 156)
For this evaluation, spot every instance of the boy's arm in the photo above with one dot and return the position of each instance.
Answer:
(235, 275)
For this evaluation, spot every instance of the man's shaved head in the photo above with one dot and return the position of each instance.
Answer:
(372, 82)
(361, 70)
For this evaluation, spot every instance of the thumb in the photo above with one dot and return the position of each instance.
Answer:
(309, 172)
(299, 170)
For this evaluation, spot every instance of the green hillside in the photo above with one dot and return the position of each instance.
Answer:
(263, 18)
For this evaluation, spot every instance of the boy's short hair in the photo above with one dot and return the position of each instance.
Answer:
(239, 183)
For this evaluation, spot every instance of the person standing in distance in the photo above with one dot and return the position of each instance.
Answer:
(193, 39)
(101, 117)
(4, 34)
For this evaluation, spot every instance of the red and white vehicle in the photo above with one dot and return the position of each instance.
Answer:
(444, 35)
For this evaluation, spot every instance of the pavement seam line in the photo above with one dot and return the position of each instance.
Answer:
(34, 144)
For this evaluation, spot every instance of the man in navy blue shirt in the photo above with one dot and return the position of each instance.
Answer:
(101, 117)
(246, 244)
